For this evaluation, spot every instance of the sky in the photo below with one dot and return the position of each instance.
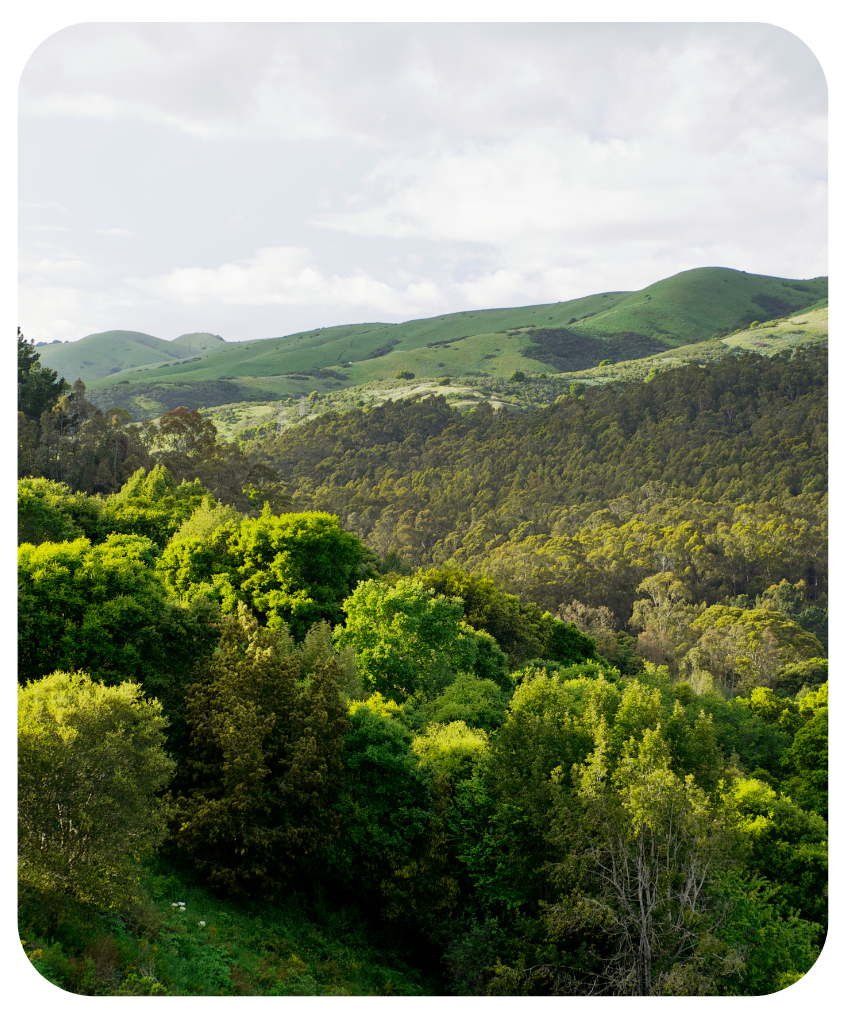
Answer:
(254, 180)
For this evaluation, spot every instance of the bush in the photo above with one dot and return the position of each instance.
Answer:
(90, 762)
(404, 374)
(517, 376)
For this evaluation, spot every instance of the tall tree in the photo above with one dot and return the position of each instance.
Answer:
(256, 795)
(38, 387)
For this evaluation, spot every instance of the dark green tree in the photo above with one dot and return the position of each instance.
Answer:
(38, 387)
(256, 794)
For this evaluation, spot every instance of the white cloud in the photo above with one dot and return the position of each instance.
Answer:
(444, 166)
(117, 231)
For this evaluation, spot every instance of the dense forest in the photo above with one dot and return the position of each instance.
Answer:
(409, 700)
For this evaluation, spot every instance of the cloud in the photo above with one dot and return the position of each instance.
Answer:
(287, 276)
(543, 200)
(47, 229)
(117, 231)
(388, 86)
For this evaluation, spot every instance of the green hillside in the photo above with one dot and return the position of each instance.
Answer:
(250, 419)
(107, 353)
(690, 307)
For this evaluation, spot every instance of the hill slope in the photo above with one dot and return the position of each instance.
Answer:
(689, 307)
(106, 353)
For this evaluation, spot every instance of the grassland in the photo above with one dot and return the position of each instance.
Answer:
(689, 308)
(108, 353)
(247, 420)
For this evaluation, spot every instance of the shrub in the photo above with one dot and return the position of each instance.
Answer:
(90, 762)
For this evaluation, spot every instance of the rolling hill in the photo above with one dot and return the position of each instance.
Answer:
(107, 353)
(690, 307)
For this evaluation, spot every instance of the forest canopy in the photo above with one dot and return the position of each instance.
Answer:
(529, 704)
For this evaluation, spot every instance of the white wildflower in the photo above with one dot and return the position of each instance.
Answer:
(201, 923)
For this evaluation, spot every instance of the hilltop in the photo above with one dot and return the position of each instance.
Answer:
(691, 307)
(107, 353)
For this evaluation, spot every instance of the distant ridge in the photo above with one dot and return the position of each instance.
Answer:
(150, 375)
(106, 353)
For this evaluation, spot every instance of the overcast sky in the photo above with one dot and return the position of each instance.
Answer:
(254, 180)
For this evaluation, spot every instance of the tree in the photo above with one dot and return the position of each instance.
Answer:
(757, 642)
(90, 764)
(294, 570)
(405, 639)
(102, 609)
(255, 798)
(807, 758)
(38, 387)
(386, 811)
(50, 511)
(152, 505)
(640, 843)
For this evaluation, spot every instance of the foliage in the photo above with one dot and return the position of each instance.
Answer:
(38, 386)
(639, 843)
(451, 750)
(405, 639)
(714, 474)
(478, 702)
(386, 809)
(100, 608)
(255, 797)
(294, 570)
(90, 762)
(806, 760)
(49, 511)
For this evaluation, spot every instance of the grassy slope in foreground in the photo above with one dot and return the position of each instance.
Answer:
(689, 307)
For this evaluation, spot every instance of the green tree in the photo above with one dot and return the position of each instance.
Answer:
(406, 640)
(478, 702)
(806, 761)
(90, 764)
(38, 386)
(639, 842)
(294, 570)
(49, 511)
(152, 505)
(386, 811)
(102, 609)
(255, 797)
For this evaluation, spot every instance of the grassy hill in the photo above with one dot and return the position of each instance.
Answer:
(250, 419)
(690, 307)
(107, 353)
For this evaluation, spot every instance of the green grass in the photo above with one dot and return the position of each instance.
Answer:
(295, 948)
(690, 307)
(109, 353)
(248, 420)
